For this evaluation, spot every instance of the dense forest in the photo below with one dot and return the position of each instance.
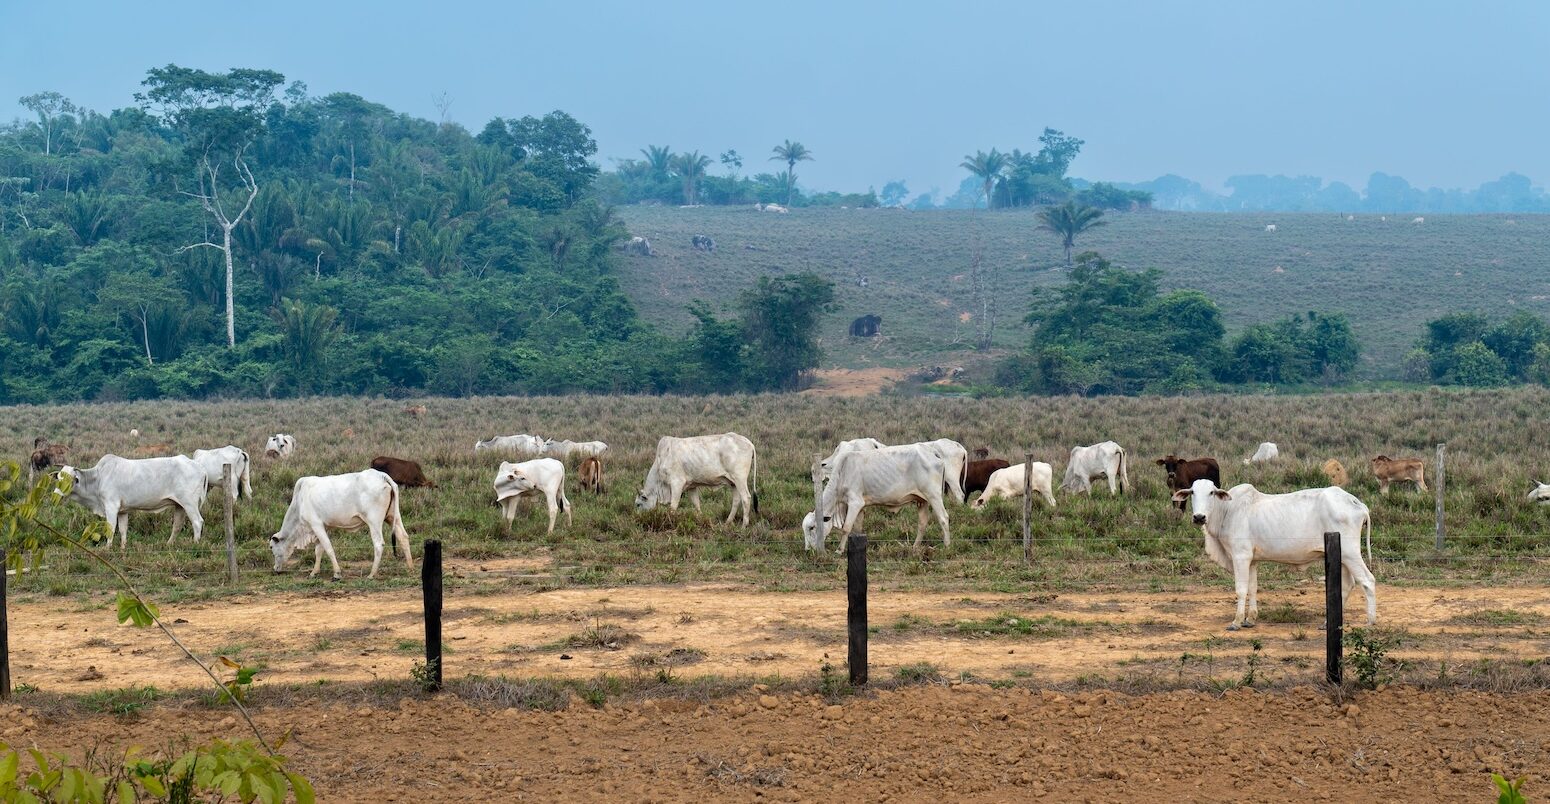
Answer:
(231, 235)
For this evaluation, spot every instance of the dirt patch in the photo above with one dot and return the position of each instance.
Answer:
(853, 382)
(737, 632)
(957, 743)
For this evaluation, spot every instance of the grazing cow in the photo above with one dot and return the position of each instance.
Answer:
(591, 474)
(545, 476)
(639, 246)
(1106, 460)
(116, 486)
(1270, 227)
(347, 502)
(415, 411)
(704, 243)
(1540, 493)
(1244, 527)
(775, 208)
(708, 461)
(978, 474)
(525, 446)
(280, 445)
(1388, 470)
(1182, 473)
(211, 461)
(867, 326)
(1418, 220)
(45, 456)
(1335, 471)
(1008, 483)
(405, 473)
(563, 449)
(852, 445)
(1267, 451)
(891, 478)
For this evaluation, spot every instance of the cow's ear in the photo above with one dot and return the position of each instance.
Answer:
(1161, 461)
(1181, 495)
(826, 519)
(1221, 495)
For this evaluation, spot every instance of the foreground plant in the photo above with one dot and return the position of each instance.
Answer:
(216, 771)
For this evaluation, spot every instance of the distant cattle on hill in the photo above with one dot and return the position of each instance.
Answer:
(704, 243)
(867, 326)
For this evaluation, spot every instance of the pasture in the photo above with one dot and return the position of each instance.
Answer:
(1389, 276)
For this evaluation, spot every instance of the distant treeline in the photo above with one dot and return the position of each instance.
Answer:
(1384, 193)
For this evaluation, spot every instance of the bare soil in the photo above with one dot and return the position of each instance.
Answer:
(957, 743)
(853, 382)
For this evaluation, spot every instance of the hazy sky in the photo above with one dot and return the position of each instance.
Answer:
(1444, 94)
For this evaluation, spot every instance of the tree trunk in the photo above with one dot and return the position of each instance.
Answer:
(5, 636)
(145, 335)
(352, 171)
(231, 309)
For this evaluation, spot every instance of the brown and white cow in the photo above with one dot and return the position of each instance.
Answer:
(977, 477)
(1405, 470)
(1183, 473)
(405, 473)
(591, 474)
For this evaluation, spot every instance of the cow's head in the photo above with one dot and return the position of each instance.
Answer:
(645, 500)
(69, 483)
(1204, 497)
(810, 531)
(285, 543)
(1380, 460)
(1540, 493)
(1170, 462)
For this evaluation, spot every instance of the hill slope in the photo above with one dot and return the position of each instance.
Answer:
(1389, 276)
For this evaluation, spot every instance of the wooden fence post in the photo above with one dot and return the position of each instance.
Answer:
(855, 614)
(1334, 608)
(430, 585)
(227, 511)
(1440, 485)
(5, 635)
(819, 525)
(1027, 507)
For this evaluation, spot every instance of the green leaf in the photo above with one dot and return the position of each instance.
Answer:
(8, 766)
(153, 786)
(126, 792)
(302, 788)
(133, 609)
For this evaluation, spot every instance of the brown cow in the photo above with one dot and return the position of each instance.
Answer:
(977, 477)
(404, 473)
(45, 456)
(1182, 473)
(1389, 470)
(980, 453)
(1335, 471)
(415, 410)
(591, 474)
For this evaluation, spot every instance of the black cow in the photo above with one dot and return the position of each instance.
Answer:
(704, 243)
(867, 326)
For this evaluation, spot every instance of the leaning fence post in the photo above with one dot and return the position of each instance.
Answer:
(1027, 507)
(1334, 608)
(855, 615)
(818, 523)
(1441, 484)
(5, 635)
(228, 503)
(430, 585)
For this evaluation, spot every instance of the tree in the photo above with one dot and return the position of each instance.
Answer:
(987, 168)
(690, 167)
(780, 325)
(308, 331)
(791, 153)
(894, 193)
(659, 158)
(1057, 152)
(141, 297)
(219, 115)
(1068, 221)
(732, 161)
(52, 109)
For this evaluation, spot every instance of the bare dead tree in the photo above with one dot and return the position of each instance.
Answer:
(979, 283)
(443, 102)
(209, 197)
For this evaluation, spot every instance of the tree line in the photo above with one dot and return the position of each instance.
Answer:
(232, 234)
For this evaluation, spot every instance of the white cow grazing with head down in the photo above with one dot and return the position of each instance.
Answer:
(708, 461)
(525, 446)
(891, 478)
(116, 486)
(564, 450)
(1244, 527)
(347, 502)
(1419, 220)
(280, 445)
(1087, 464)
(1270, 227)
(545, 476)
(1008, 483)
(211, 461)
(955, 459)
(1267, 451)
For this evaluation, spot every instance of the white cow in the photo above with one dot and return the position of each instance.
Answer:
(564, 450)
(825, 467)
(1270, 227)
(1087, 464)
(891, 478)
(1008, 483)
(1244, 527)
(775, 208)
(690, 464)
(1267, 451)
(1419, 220)
(347, 502)
(955, 459)
(211, 461)
(526, 446)
(116, 486)
(1540, 493)
(280, 445)
(544, 476)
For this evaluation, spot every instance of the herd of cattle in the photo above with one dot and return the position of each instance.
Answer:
(1243, 527)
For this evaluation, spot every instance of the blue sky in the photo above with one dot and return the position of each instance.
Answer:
(1444, 94)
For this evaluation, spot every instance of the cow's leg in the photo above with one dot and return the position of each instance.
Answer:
(1113, 483)
(333, 560)
(920, 528)
(317, 558)
(118, 523)
(554, 509)
(1049, 496)
(1383, 486)
(509, 511)
(694, 499)
(1420, 483)
(1240, 580)
(675, 493)
(1253, 617)
(177, 523)
(196, 520)
(565, 504)
(374, 528)
(1356, 573)
(941, 518)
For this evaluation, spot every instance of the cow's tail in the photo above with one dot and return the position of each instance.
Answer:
(753, 483)
(1367, 521)
(399, 534)
(1124, 472)
(963, 479)
(245, 481)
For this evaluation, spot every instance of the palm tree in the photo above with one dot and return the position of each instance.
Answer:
(988, 168)
(308, 330)
(1069, 220)
(660, 158)
(791, 153)
(690, 167)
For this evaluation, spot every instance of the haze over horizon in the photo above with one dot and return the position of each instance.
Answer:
(1438, 95)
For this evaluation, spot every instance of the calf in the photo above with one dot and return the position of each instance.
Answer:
(1182, 473)
(543, 476)
(1008, 483)
(405, 473)
(45, 456)
(591, 474)
(978, 474)
(415, 410)
(1335, 471)
(1389, 470)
